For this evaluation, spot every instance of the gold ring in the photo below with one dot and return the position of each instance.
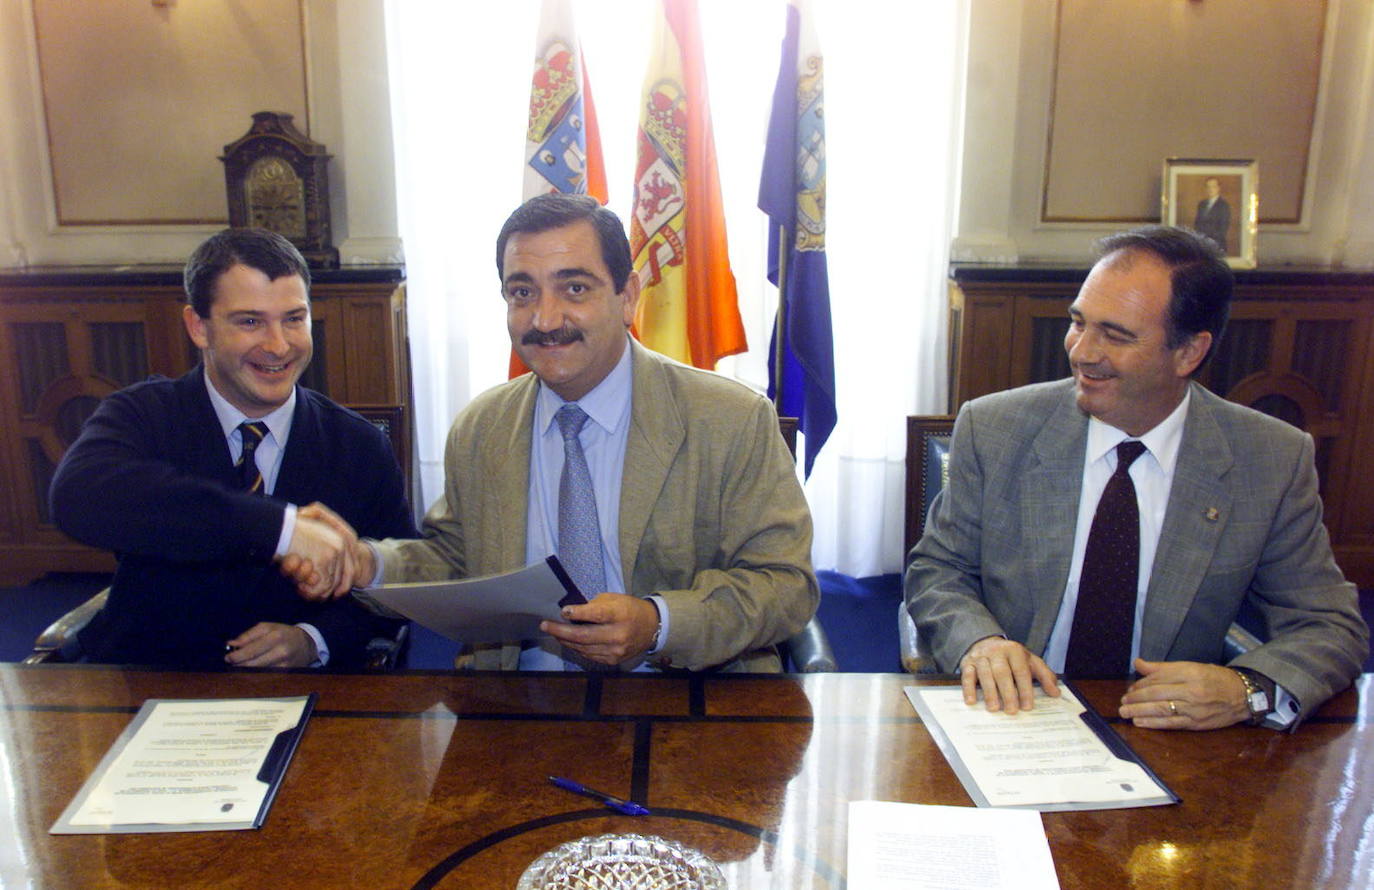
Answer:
(1173, 708)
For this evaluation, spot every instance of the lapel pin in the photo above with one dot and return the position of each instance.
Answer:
(1213, 514)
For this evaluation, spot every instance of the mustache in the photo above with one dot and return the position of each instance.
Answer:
(560, 337)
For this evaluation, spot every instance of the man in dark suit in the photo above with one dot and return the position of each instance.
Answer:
(200, 483)
(1012, 582)
(1213, 217)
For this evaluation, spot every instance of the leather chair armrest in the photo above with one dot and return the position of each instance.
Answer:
(809, 650)
(1238, 641)
(58, 641)
(383, 653)
(914, 659)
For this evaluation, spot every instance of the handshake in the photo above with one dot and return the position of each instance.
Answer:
(325, 557)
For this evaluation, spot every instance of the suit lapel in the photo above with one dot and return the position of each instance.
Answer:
(1050, 491)
(505, 459)
(1199, 508)
(655, 436)
(302, 445)
(210, 455)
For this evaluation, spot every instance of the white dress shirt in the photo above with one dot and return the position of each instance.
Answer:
(1153, 477)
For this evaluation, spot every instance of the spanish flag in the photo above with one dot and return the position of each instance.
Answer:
(562, 144)
(688, 308)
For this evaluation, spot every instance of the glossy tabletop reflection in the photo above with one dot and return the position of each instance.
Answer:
(438, 780)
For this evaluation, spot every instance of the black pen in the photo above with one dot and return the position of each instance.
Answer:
(627, 807)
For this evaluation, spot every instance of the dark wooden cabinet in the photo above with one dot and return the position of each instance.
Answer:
(71, 335)
(1297, 347)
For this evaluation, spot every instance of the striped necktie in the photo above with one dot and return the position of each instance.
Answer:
(250, 477)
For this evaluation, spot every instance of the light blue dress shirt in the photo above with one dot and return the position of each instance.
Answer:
(603, 438)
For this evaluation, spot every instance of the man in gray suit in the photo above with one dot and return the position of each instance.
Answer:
(1213, 217)
(1228, 511)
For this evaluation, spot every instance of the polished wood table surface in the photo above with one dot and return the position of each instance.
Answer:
(438, 780)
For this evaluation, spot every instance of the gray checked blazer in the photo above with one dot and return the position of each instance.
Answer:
(1244, 520)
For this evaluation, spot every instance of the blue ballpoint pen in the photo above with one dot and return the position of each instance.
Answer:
(627, 807)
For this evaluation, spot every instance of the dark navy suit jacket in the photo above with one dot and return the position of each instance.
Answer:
(150, 478)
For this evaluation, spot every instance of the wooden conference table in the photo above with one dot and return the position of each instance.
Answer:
(438, 780)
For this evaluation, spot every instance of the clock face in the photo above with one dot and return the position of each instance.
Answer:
(275, 196)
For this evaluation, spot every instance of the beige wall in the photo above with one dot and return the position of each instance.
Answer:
(119, 115)
(1050, 165)
(165, 88)
(1009, 163)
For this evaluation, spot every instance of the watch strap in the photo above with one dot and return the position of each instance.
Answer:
(1259, 694)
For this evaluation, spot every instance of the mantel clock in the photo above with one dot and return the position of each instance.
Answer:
(278, 179)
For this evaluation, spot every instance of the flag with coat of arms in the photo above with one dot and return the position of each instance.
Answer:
(688, 306)
(792, 192)
(562, 144)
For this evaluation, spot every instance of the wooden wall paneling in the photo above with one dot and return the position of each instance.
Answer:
(985, 355)
(9, 445)
(365, 328)
(1355, 545)
(1041, 320)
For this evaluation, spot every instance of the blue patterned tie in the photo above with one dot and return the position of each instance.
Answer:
(579, 528)
(250, 477)
(1104, 619)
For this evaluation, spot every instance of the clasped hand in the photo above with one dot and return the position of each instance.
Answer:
(325, 557)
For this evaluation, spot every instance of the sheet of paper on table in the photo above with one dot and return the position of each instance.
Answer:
(1060, 755)
(490, 609)
(191, 765)
(907, 846)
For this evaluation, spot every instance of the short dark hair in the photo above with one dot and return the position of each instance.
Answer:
(271, 254)
(1200, 281)
(544, 212)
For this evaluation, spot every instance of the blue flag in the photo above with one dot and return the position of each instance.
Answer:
(792, 193)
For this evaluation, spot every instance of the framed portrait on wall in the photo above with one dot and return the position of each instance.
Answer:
(1217, 197)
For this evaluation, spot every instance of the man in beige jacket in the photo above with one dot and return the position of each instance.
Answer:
(705, 535)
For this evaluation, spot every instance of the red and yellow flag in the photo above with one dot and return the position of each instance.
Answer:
(688, 308)
(562, 144)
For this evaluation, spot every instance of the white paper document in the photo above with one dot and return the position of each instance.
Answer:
(490, 609)
(190, 765)
(907, 846)
(1058, 756)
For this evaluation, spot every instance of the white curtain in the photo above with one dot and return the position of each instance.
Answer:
(460, 77)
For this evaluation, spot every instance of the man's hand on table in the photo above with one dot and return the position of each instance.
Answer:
(1006, 671)
(268, 644)
(1184, 695)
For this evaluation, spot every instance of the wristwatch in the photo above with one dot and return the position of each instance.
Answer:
(658, 629)
(1259, 694)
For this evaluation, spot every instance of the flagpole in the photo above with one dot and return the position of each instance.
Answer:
(780, 334)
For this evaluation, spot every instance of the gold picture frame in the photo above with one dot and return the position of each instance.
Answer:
(1218, 197)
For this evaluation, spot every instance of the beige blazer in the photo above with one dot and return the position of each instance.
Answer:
(712, 517)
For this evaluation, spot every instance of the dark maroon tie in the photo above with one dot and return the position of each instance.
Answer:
(1100, 642)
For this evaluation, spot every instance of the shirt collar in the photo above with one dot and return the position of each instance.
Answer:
(278, 420)
(1162, 442)
(606, 404)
